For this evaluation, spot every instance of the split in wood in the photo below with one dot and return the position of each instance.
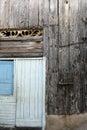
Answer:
(84, 41)
(84, 19)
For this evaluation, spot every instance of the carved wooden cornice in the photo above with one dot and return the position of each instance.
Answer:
(21, 33)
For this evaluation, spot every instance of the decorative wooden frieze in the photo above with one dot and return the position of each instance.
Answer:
(21, 43)
(21, 33)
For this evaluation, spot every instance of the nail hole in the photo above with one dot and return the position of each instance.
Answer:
(66, 1)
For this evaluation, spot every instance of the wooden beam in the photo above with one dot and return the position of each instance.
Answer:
(21, 49)
(29, 39)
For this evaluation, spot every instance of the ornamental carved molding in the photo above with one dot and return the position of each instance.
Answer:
(21, 33)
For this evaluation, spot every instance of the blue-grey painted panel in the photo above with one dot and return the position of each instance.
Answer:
(6, 77)
(7, 99)
(30, 82)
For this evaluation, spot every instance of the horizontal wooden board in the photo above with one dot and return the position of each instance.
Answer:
(20, 49)
(7, 111)
(31, 39)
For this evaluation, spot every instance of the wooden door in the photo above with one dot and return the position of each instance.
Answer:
(7, 93)
(30, 82)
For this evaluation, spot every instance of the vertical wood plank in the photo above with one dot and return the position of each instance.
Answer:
(36, 91)
(46, 12)
(33, 13)
(74, 56)
(40, 90)
(23, 14)
(26, 92)
(74, 16)
(41, 12)
(83, 54)
(4, 14)
(64, 55)
(64, 40)
(51, 45)
(63, 22)
(30, 100)
(14, 14)
(53, 14)
(45, 54)
(32, 93)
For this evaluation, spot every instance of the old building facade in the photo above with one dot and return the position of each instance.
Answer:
(62, 40)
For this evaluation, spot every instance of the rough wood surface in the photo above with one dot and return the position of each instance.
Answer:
(64, 44)
(72, 56)
(51, 52)
(28, 13)
(20, 49)
(83, 55)
(31, 39)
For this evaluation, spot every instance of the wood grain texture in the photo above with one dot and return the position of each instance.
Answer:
(83, 55)
(33, 14)
(64, 57)
(51, 52)
(74, 56)
(28, 13)
(4, 10)
(13, 14)
(19, 49)
(41, 12)
(64, 45)
(53, 15)
(71, 66)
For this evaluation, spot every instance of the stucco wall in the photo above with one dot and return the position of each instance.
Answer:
(67, 122)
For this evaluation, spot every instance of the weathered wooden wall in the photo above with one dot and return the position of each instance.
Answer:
(73, 56)
(65, 46)
(28, 13)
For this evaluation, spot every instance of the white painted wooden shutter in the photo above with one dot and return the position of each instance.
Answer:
(7, 93)
(30, 82)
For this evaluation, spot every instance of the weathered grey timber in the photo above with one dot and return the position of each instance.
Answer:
(72, 56)
(64, 45)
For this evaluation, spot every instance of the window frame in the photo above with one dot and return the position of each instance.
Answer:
(14, 83)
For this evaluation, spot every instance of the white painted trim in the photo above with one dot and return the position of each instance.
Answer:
(32, 123)
(44, 85)
(14, 91)
(36, 58)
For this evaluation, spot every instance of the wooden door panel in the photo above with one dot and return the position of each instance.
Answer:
(30, 92)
